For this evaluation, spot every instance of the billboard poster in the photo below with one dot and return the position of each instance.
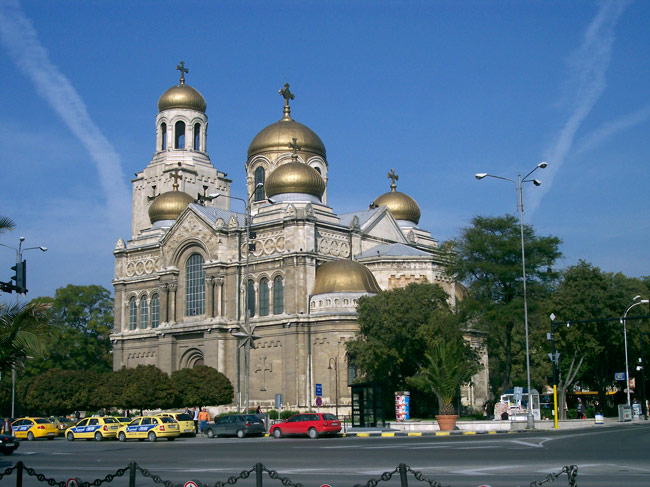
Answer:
(402, 406)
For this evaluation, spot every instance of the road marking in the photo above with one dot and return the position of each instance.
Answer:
(388, 434)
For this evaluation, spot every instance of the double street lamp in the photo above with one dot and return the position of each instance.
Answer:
(335, 361)
(246, 333)
(520, 205)
(637, 301)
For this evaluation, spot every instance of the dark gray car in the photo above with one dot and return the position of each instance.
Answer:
(238, 425)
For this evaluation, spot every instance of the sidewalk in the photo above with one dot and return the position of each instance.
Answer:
(430, 428)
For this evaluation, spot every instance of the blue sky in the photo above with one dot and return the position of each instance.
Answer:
(437, 90)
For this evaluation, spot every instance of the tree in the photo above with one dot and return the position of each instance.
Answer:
(6, 224)
(23, 329)
(396, 329)
(592, 351)
(81, 318)
(487, 258)
(144, 387)
(449, 364)
(202, 386)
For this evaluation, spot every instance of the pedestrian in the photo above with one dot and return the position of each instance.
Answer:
(259, 409)
(204, 416)
(6, 427)
(580, 409)
(195, 417)
(598, 408)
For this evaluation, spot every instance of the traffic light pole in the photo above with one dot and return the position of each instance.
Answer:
(20, 278)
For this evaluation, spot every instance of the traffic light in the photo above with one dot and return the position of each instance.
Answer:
(20, 277)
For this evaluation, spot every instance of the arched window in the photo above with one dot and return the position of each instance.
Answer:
(318, 170)
(179, 135)
(133, 313)
(144, 313)
(163, 136)
(264, 297)
(259, 178)
(278, 296)
(194, 286)
(197, 136)
(155, 311)
(250, 306)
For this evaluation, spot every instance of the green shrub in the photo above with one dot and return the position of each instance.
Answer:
(571, 414)
(287, 414)
(273, 414)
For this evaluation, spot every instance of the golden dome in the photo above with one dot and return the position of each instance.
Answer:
(278, 135)
(182, 96)
(169, 205)
(294, 177)
(340, 276)
(401, 205)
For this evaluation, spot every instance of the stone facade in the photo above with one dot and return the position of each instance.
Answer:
(180, 285)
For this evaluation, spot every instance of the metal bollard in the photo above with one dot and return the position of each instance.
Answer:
(258, 474)
(402, 475)
(132, 474)
(19, 474)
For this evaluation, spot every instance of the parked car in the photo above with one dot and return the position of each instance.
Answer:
(8, 444)
(310, 424)
(185, 423)
(123, 420)
(239, 425)
(61, 422)
(32, 428)
(149, 428)
(95, 427)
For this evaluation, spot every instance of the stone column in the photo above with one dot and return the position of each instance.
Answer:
(172, 304)
(209, 296)
(164, 305)
(220, 280)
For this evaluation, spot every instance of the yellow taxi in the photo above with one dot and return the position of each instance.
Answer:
(32, 428)
(96, 427)
(149, 428)
(185, 423)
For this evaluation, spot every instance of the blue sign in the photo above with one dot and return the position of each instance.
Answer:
(319, 401)
(619, 376)
(319, 389)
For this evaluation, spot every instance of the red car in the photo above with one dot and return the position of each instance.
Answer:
(310, 424)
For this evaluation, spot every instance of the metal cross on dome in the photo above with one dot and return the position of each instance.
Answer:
(393, 177)
(181, 67)
(294, 145)
(287, 95)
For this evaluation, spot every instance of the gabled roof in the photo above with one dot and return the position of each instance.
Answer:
(393, 250)
(212, 214)
(363, 215)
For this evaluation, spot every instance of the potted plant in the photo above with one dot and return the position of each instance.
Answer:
(448, 364)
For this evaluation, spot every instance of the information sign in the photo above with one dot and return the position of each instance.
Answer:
(319, 389)
(619, 376)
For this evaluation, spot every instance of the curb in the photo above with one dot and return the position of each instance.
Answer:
(427, 433)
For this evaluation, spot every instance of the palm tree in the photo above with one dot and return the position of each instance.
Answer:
(6, 224)
(449, 364)
(22, 327)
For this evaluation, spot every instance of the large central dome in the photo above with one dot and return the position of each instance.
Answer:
(169, 205)
(341, 276)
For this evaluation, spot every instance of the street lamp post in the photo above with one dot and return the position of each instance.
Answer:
(335, 360)
(19, 260)
(246, 334)
(623, 321)
(520, 204)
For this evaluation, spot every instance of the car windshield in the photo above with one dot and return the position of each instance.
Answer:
(167, 419)
(110, 420)
(41, 421)
(184, 417)
(329, 417)
(252, 418)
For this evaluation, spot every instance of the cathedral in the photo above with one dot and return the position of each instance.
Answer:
(266, 294)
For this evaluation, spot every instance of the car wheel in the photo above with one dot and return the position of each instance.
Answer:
(152, 436)
(70, 436)
(313, 434)
(121, 436)
(241, 433)
(30, 436)
(277, 433)
(171, 438)
(98, 436)
(210, 433)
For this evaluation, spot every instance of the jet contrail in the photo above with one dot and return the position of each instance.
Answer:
(586, 85)
(19, 37)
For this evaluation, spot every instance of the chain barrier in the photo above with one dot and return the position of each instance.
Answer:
(233, 480)
(571, 472)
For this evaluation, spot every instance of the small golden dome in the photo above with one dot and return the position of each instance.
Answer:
(340, 276)
(277, 136)
(182, 96)
(294, 177)
(401, 205)
(169, 205)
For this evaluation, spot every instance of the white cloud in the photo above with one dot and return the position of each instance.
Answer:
(588, 64)
(20, 39)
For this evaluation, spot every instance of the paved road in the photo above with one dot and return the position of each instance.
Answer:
(609, 456)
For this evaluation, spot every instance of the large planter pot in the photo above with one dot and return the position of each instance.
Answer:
(447, 422)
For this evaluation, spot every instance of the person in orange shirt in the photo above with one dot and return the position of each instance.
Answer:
(204, 417)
